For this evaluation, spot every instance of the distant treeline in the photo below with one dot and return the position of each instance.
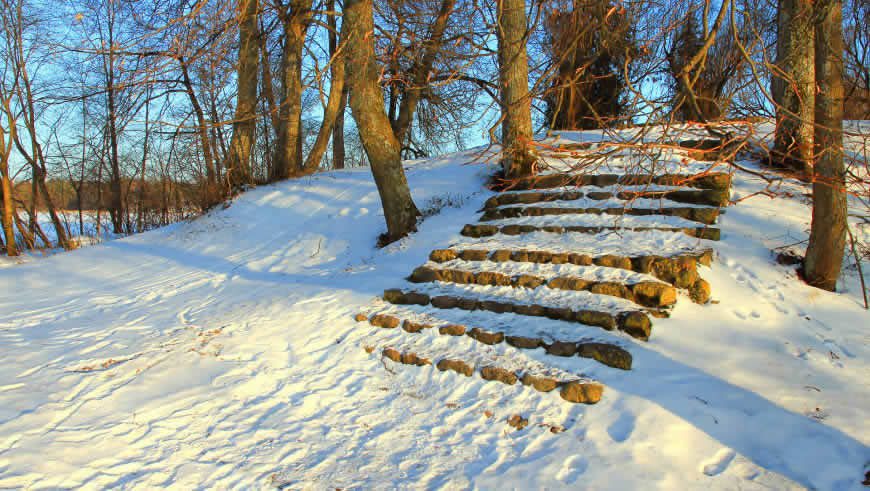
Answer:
(150, 195)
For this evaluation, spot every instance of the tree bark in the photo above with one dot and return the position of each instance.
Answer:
(202, 124)
(244, 124)
(333, 106)
(338, 126)
(288, 153)
(794, 87)
(513, 77)
(824, 256)
(8, 208)
(338, 133)
(367, 104)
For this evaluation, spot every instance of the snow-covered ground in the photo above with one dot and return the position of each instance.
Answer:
(222, 352)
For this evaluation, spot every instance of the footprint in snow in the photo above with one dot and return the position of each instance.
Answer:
(718, 463)
(571, 469)
(622, 428)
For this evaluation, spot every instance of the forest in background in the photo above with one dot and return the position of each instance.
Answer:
(131, 107)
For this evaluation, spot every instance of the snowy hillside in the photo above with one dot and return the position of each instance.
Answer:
(223, 352)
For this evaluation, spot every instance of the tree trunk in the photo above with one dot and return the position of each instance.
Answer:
(338, 133)
(288, 154)
(513, 75)
(245, 121)
(794, 88)
(338, 126)
(828, 231)
(330, 114)
(201, 124)
(367, 104)
(7, 212)
(116, 205)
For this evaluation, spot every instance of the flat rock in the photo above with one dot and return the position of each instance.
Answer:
(541, 384)
(445, 302)
(479, 230)
(486, 337)
(562, 348)
(611, 261)
(612, 289)
(500, 256)
(643, 264)
(412, 359)
(636, 324)
(533, 310)
(452, 330)
(496, 306)
(653, 294)
(492, 279)
(700, 291)
(607, 354)
(360, 318)
(594, 318)
(568, 283)
(582, 392)
(456, 276)
(561, 258)
(560, 313)
(520, 256)
(443, 255)
(523, 342)
(423, 274)
(580, 259)
(527, 281)
(392, 354)
(383, 320)
(468, 303)
(414, 327)
(456, 366)
(473, 255)
(498, 374)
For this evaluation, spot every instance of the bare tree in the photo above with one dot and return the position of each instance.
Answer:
(514, 86)
(244, 124)
(793, 86)
(295, 16)
(367, 104)
(824, 256)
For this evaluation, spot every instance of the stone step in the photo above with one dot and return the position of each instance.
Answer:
(484, 230)
(605, 353)
(635, 323)
(680, 270)
(707, 197)
(709, 180)
(706, 216)
(577, 391)
(652, 294)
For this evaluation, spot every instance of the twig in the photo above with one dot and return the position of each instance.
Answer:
(858, 263)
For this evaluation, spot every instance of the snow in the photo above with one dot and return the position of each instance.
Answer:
(222, 352)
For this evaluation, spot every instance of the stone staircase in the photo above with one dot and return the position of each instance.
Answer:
(493, 295)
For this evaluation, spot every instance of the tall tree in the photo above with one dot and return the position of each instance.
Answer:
(367, 105)
(513, 76)
(295, 17)
(245, 122)
(824, 256)
(793, 86)
(8, 206)
(335, 105)
(338, 127)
